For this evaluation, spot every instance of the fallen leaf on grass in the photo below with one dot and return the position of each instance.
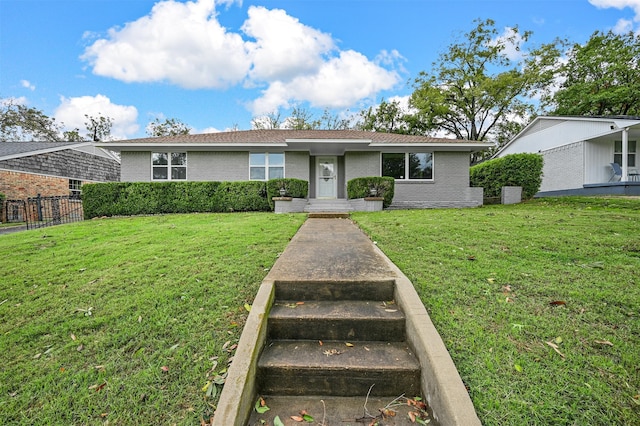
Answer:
(518, 368)
(164, 368)
(80, 348)
(491, 280)
(99, 387)
(555, 348)
(139, 318)
(247, 307)
(604, 342)
(558, 303)
(73, 337)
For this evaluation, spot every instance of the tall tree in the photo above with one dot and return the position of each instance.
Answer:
(477, 86)
(601, 77)
(22, 123)
(269, 121)
(168, 127)
(301, 119)
(390, 117)
(98, 128)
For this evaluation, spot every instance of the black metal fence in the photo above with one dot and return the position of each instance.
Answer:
(40, 212)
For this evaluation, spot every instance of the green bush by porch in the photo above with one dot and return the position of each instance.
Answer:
(361, 188)
(295, 188)
(523, 170)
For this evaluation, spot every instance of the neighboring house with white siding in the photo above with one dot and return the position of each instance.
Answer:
(580, 154)
(429, 172)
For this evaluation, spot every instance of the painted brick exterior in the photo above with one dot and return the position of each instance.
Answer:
(450, 187)
(563, 167)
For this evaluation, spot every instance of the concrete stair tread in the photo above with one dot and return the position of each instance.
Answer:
(382, 290)
(337, 355)
(339, 309)
(334, 410)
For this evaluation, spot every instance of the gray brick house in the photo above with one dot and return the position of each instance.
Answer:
(429, 172)
(53, 168)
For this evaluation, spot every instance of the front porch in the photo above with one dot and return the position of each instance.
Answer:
(318, 205)
(609, 188)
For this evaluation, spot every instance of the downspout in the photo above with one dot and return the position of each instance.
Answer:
(625, 154)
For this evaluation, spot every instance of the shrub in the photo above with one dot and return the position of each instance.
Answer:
(361, 188)
(296, 188)
(523, 170)
(134, 198)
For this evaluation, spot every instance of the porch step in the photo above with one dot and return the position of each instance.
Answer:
(319, 205)
(381, 290)
(328, 410)
(336, 320)
(338, 368)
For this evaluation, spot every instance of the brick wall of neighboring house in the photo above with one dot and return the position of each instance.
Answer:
(19, 186)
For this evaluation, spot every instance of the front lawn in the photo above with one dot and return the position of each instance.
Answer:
(133, 320)
(128, 321)
(538, 303)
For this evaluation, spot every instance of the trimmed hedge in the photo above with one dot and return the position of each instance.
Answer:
(296, 188)
(523, 170)
(361, 187)
(135, 198)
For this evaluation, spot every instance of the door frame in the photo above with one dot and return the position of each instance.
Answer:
(334, 159)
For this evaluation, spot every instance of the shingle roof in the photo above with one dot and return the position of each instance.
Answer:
(281, 136)
(8, 149)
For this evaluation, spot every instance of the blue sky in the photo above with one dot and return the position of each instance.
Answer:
(215, 64)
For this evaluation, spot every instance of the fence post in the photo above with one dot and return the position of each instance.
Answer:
(39, 207)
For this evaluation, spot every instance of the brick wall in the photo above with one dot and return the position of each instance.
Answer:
(19, 186)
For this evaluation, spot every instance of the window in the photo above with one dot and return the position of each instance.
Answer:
(169, 165)
(266, 165)
(75, 188)
(631, 155)
(404, 166)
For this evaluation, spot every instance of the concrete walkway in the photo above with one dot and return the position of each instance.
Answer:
(338, 249)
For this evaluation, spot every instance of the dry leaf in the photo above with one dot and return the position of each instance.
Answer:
(139, 318)
(73, 337)
(604, 342)
(164, 368)
(555, 348)
(558, 303)
(349, 344)
(297, 419)
(80, 348)
(320, 342)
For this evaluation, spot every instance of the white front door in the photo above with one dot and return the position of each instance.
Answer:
(327, 172)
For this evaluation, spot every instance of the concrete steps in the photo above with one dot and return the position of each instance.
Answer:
(340, 341)
(335, 205)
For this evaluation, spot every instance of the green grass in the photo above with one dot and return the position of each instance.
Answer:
(93, 313)
(488, 276)
(169, 291)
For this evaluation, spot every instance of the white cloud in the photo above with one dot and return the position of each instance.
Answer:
(339, 83)
(72, 111)
(512, 42)
(283, 48)
(623, 25)
(27, 85)
(184, 44)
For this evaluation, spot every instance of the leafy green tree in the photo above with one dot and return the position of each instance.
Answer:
(72, 135)
(22, 123)
(476, 87)
(168, 127)
(98, 128)
(390, 117)
(601, 77)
